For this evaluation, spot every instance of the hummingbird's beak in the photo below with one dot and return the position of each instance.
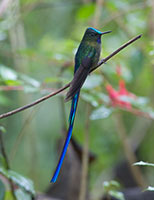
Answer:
(105, 32)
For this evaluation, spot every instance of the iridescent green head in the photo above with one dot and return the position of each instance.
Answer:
(93, 34)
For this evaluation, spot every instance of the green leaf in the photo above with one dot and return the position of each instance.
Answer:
(111, 185)
(2, 161)
(11, 77)
(117, 195)
(148, 110)
(20, 194)
(30, 89)
(2, 190)
(101, 113)
(90, 99)
(105, 98)
(139, 102)
(95, 98)
(141, 163)
(150, 188)
(2, 129)
(8, 195)
(7, 73)
(21, 181)
(30, 80)
(13, 82)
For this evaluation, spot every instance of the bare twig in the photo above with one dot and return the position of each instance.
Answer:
(137, 112)
(7, 164)
(9, 88)
(34, 103)
(67, 85)
(117, 51)
(3, 150)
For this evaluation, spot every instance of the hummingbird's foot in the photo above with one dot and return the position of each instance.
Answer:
(103, 60)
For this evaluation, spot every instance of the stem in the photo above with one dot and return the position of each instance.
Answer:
(2, 146)
(67, 85)
(98, 12)
(138, 132)
(137, 112)
(131, 158)
(85, 158)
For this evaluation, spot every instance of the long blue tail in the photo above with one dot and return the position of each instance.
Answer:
(69, 134)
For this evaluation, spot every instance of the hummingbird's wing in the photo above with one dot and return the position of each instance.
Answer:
(79, 78)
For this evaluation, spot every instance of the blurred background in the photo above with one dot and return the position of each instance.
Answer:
(114, 122)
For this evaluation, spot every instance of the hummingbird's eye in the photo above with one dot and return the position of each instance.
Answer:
(92, 34)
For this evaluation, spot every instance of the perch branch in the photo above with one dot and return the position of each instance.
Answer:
(67, 85)
(34, 103)
(117, 51)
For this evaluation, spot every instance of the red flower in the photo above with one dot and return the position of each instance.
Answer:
(116, 96)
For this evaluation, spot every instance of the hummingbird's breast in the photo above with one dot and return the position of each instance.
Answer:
(96, 46)
(91, 49)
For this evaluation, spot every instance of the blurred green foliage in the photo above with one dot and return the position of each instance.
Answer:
(37, 47)
(2, 190)
(112, 188)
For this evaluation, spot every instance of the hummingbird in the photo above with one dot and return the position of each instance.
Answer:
(86, 58)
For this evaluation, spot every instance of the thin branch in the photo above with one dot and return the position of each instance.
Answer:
(10, 88)
(7, 164)
(67, 85)
(3, 151)
(117, 51)
(33, 103)
(137, 112)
